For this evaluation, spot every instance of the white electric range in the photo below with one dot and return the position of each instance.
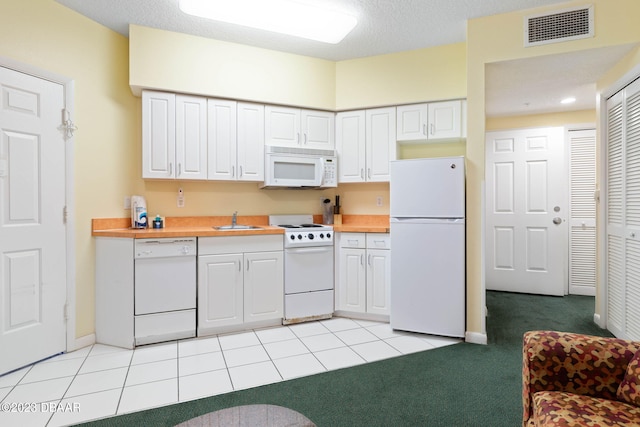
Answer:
(308, 268)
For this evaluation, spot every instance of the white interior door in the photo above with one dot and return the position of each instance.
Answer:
(622, 196)
(526, 211)
(32, 229)
(582, 204)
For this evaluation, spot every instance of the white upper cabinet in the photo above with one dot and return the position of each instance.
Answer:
(250, 150)
(174, 136)
(381, 143)
(236, 141)
(191, 137)
(431, 121)
(222, 139)
(158, 134)
(293, 127)
(366, 143)
(318, 129)
(350, 143)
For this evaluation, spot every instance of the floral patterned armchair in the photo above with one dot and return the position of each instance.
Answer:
(572, 379)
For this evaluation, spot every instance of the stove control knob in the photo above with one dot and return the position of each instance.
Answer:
(292, 237)
(328, 235)
(322, 235)
(311, 236)
(300, 236)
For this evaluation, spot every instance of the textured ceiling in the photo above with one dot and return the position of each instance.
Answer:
(384, 26)
(388, 26)
(537, 85)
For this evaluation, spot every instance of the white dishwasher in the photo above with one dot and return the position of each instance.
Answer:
(164, 290)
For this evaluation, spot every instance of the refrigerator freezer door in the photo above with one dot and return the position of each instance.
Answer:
(428, 276)
(430, 188)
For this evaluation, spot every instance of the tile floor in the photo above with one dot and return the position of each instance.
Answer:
(101, 381)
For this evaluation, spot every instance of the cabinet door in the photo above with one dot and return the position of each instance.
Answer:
(158, 134)
(381, 143)
(318, 129)
(250, 142)
(282, 126)
(221, 137)
(350, 144)
(191, 137)
(220, 293)
(378, 278)
(263, 286)
(352, 280)
(445, 120)
(411, 121)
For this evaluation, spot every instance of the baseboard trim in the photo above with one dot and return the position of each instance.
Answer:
(598, 320)
(475, 338)
(81, 342)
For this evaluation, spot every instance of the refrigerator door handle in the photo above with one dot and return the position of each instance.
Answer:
(422, 220)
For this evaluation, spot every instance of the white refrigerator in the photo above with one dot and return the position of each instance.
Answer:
(427, 216)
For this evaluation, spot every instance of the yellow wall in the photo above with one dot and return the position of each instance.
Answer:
(542, 120)
(500, 38)
(44, 34)
(430, 74)
(177, 62)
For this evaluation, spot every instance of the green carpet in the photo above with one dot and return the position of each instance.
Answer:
(459, 385)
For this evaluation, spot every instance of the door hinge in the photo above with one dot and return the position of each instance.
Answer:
(66, 311)
(64, 215)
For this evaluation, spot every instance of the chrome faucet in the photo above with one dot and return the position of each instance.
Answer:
(234, 219)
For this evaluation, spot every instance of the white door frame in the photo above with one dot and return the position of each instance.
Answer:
(68, 88)
(600, 316)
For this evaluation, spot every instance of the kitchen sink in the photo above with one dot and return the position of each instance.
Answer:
(236, 227)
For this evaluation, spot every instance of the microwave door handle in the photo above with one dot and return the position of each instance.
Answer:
(320, 171)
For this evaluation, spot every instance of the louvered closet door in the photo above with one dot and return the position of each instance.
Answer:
(623, 213)
(632, 212)
(582, 223)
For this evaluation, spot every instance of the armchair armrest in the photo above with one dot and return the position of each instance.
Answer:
(574, 363)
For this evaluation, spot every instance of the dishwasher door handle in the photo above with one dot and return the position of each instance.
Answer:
(310, 250)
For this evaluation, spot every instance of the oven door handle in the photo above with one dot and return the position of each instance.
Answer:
(310, 250)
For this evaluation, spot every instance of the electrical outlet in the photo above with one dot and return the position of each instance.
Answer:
(127, 202)
(379, 201)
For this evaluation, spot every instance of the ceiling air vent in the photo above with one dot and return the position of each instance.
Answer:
(568, 24)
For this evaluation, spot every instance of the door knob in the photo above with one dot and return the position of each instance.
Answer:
(557, 220)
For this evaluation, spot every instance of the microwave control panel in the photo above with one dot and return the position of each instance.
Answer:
(330, 178)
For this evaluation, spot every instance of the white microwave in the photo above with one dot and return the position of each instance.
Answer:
(290, 167)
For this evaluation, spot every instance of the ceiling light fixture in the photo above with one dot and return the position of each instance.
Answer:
(569, 100)
(281, 16)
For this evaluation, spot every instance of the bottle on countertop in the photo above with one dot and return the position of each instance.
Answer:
(157, 222)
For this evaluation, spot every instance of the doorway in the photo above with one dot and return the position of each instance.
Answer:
(579, 273)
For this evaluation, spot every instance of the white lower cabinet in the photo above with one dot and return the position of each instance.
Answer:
(363, 275)
(240, 282)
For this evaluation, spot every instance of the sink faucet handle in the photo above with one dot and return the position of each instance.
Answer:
(234, 218)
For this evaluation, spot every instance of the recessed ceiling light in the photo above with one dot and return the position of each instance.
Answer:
(282, 16)
(569, 100)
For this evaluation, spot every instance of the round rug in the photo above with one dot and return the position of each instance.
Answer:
(250, 416)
